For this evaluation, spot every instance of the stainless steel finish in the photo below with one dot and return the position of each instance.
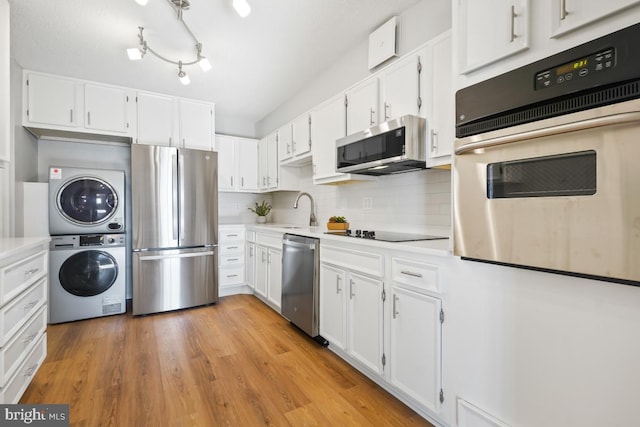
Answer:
(312, 216)
(514, 15)
(300, 282)
(415, 144)
(175, 217)
(173, 279)
(410, 273)
(563, 10)
(591, 235)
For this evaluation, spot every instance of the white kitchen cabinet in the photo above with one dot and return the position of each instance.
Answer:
(441, 97)
(156, 123)
(51, 101)
(261, 276)
(274, 277)
(268, 162)
(106, 108)
(237, 163)
(362, 105)
(263, 163)
(328, 124)
(5, 85)
(332, 305)
(401, 87)
(268, 268)
(231, 261)
(568, 15)
(490, 30)
(301, 129)
(415, 345)
(365, 320)
(196, 124)
(250, 264)
(285, 142)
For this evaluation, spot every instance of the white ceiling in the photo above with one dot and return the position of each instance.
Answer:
(258, 62)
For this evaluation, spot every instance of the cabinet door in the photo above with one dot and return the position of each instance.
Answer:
(365, 321)
(155, 119)
(52, 101)
(261, 271)
(333, 286)
(490, 30)
(247, 163)
(250, 264)
(274, 276)
(285, 142)
(273, 166)
(302, 134)
(400, 85)
(362, 108)
(567, 15)
(226, 160)
(263, 163)
(415, 342)
(105, 108)
(328, 124)
(442, 124)
(196, 125)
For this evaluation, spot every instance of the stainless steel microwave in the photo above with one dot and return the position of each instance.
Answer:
(392, 147)
(546, 175)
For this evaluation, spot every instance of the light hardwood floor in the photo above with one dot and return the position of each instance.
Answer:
(236, 363)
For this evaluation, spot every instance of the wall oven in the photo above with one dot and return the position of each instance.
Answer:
(547, 164)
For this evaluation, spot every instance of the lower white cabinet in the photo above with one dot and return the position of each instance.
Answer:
(250, 264)
(23, 313)
(231, 262)
(332, 305)
(268, 268)
(415, 365)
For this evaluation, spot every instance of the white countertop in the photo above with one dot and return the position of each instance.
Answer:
(427, 247)
(12, 245)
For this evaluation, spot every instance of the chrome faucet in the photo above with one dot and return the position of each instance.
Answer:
(312, 218)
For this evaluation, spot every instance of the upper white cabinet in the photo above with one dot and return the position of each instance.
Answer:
(400, 88)
(106, 108)
(5, 83)
(268, 162)
(155, 115)
(567, 15)
(237, 163)
(301, 128)
(51, 100)
(329, 123)
(490, 30)
(196, 124)
(440, 97)
(362, 105)
(285, 142)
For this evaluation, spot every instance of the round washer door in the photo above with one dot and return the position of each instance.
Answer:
(87, 201)
(88, 273)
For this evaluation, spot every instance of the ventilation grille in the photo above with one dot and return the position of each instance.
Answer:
(558, 107)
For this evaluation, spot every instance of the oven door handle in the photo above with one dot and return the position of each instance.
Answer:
(614, 119)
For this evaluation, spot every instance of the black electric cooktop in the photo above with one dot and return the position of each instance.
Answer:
(385, 236)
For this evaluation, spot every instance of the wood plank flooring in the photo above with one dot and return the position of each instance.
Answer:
(236, 363)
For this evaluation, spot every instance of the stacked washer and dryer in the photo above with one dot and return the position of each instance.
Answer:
(88, 254)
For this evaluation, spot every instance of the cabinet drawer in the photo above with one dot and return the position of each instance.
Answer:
(15, 387)
(18, 311)
(250, 236)
(364, 262)
(231, 260)
(231, 248)
(415, 274)
(16, 277)
(228, 234)
(273, 240)
(231, 276)
(20, 344)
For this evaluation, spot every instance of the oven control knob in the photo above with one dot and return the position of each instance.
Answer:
(365, 234)
(111, 240)
(358, 233)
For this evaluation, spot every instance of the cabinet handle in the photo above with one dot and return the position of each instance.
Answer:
(371, 116)
(232, 259)
(30, 305)
(434, 141)
(30, 338)
(170, 143)
(232, 275)
(31, 370)
(264, 180)
(288, 148)
(338, 278)
(263, 258)
(269, 259)
(409, 273)
(513, 23)
(31, 272)
(563, 9)
(232, 181)
(71, 113)
(89, 118)
(242, 182)
(293, 147)
(351, 283)
(250, 252)
(387, 109)
(232, 235)
(232, 247)
(184, 143)
(395, 299)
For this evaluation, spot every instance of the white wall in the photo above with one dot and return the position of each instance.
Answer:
(422, 22)
(233, 208)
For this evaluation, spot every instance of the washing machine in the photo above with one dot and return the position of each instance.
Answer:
(87, 276)
(85, 201)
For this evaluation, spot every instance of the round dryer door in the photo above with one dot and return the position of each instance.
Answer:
(87, 201)
(88, 273)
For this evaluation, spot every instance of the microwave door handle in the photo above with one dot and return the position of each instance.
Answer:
(614, 119)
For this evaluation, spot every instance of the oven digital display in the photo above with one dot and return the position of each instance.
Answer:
(572, 66)
(576, 70)
(92, 240)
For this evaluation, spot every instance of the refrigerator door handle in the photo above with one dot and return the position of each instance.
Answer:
(174, 207)
(181, 195)
(189, 255)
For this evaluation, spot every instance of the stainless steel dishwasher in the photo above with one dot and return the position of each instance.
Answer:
(300, 281)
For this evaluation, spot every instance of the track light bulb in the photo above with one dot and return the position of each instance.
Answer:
(204, 64)
(142, 2)
(242, 7)
(134, 53)
(184, 78)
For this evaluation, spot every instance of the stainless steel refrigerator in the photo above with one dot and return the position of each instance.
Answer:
(175, 228)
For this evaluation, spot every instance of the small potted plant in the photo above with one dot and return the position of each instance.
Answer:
(262, 210)
(337, 223)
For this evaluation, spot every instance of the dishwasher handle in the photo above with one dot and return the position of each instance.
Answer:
(296, 244)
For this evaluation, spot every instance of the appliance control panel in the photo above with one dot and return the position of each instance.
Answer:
(579, 69)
